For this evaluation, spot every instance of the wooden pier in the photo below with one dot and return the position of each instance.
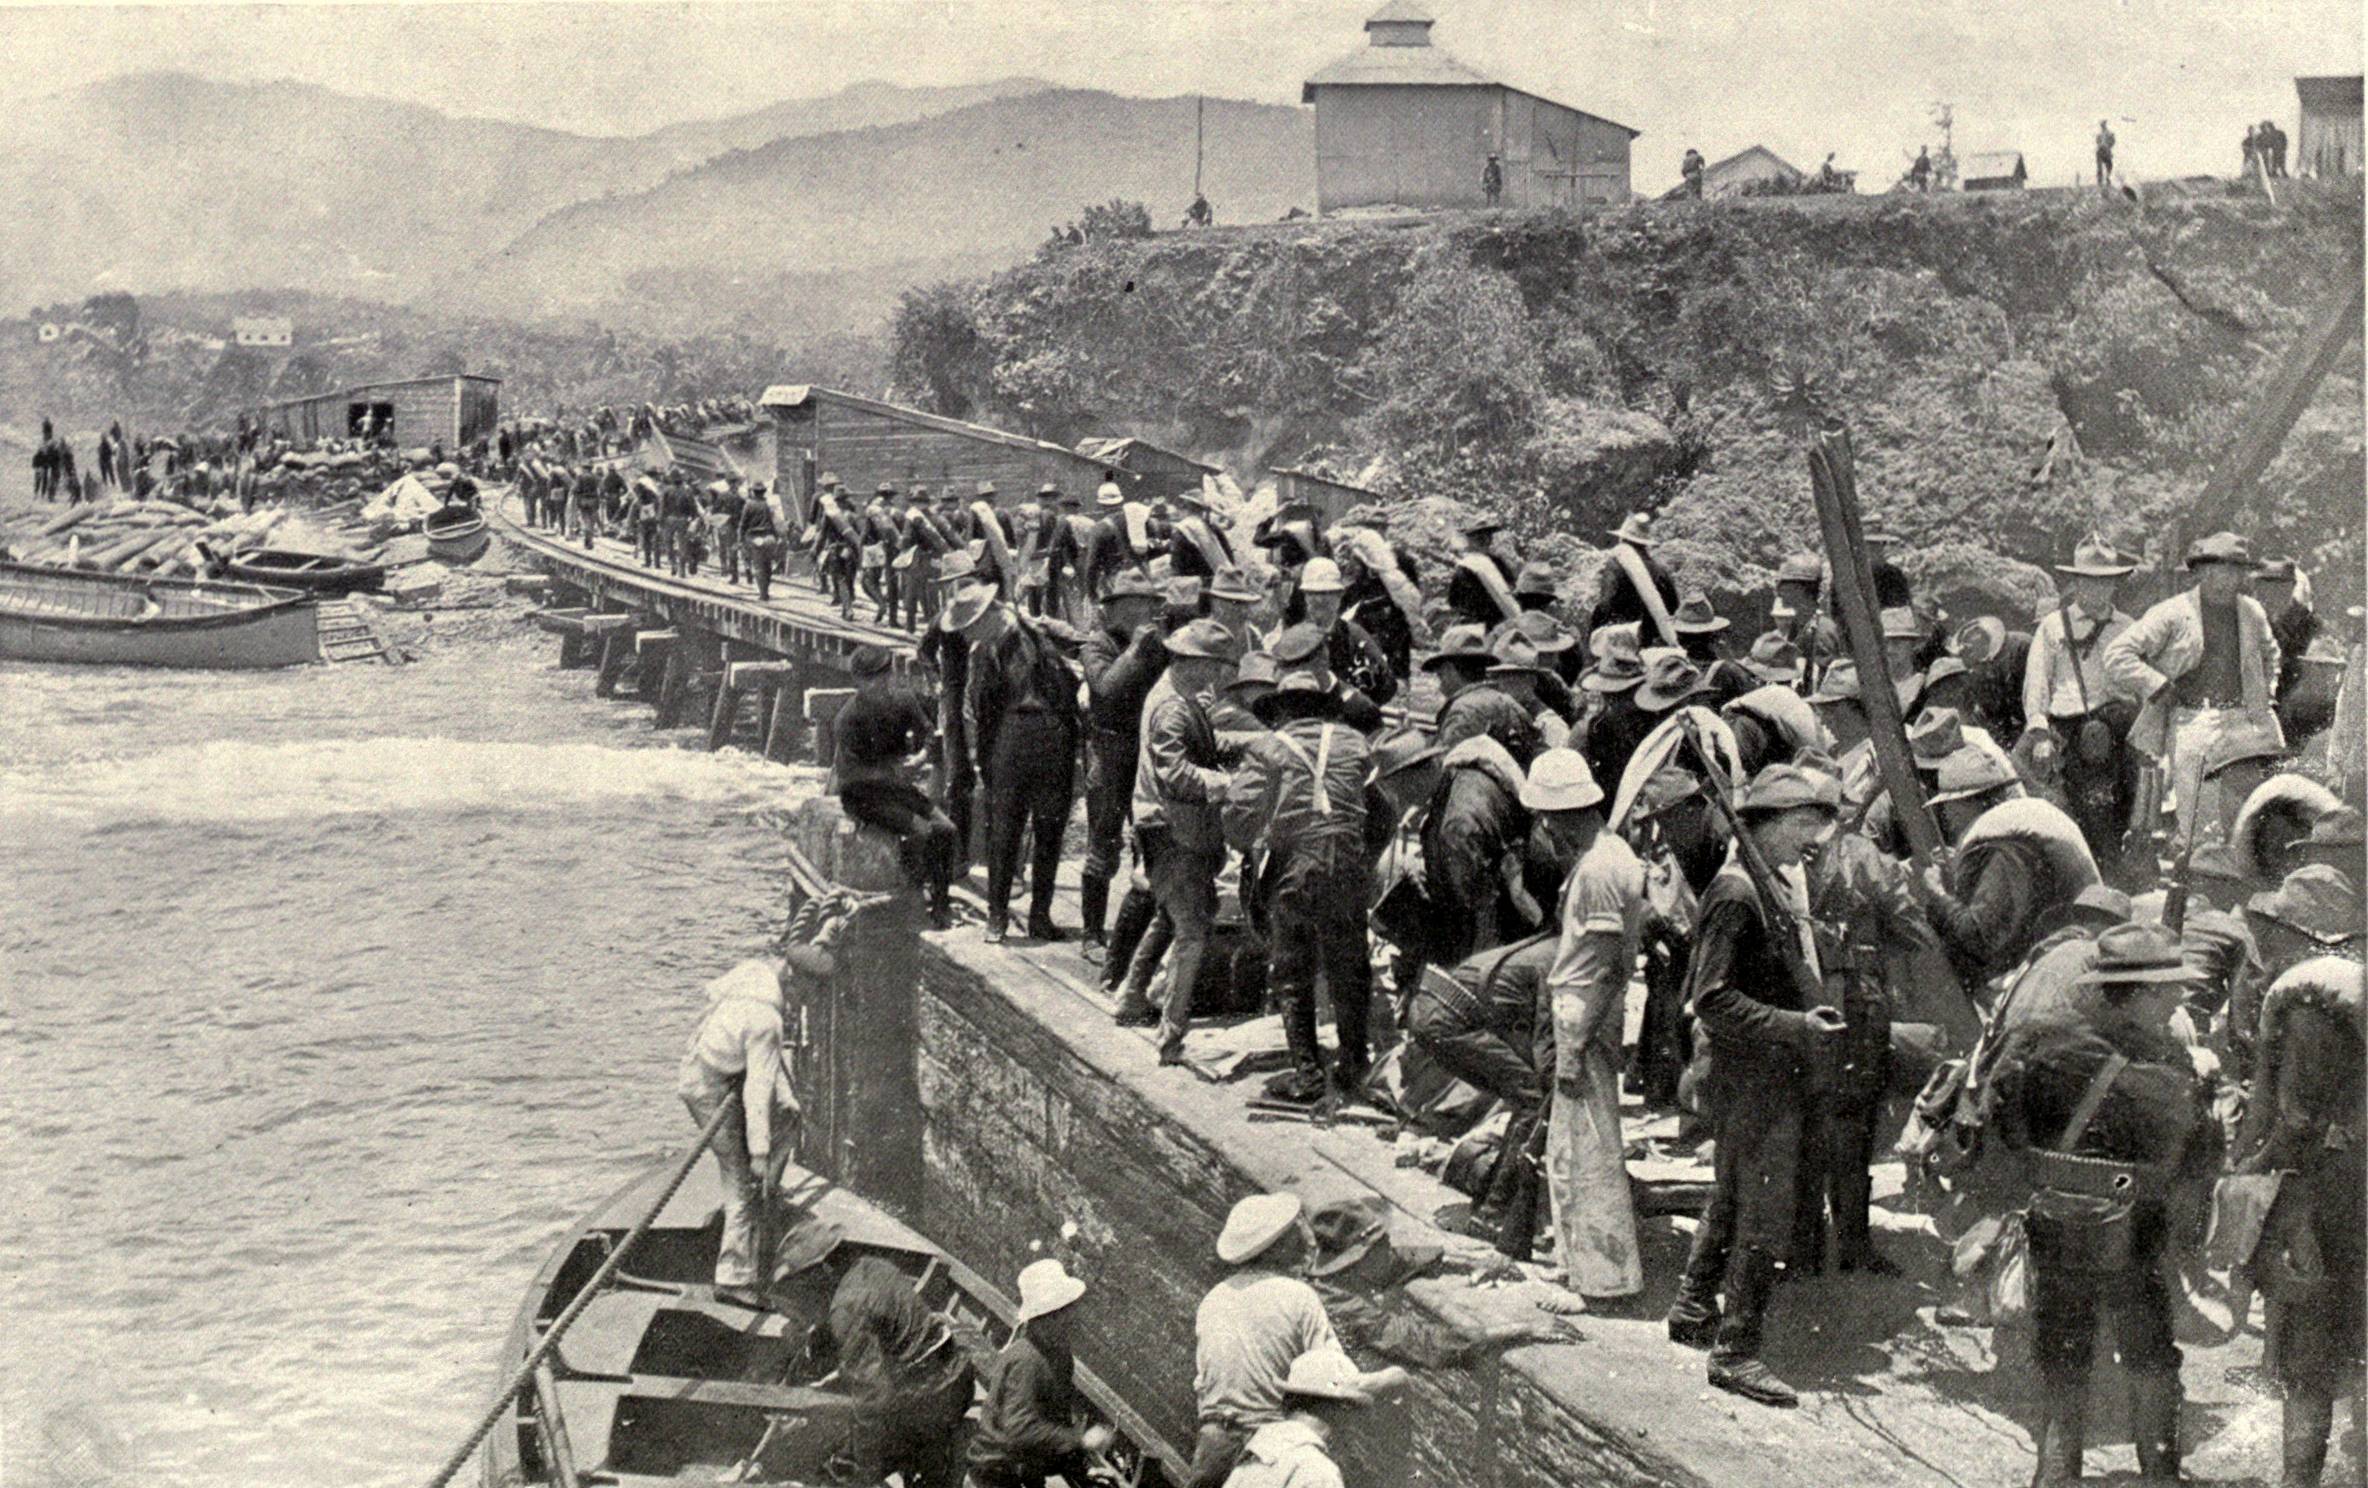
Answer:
(696, 647)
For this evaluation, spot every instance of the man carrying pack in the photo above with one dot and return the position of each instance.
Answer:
(1298, 798)
(2104, 1108)
(2072, 719)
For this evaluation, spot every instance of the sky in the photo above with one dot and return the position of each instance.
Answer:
(2179, 79)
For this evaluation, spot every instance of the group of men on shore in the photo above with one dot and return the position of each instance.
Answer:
(1620, 782)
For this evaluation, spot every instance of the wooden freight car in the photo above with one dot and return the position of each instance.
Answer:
(864, 442)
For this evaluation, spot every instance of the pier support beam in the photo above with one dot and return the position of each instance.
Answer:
(785, 720)
(618, 650)
(662, 650)
(739, 680)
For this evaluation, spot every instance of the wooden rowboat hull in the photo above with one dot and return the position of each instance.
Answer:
(661, 1381)
(459, 542)
(310, 573)
(63, 615)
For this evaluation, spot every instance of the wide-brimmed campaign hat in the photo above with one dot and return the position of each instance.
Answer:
(1256, 1223)
(1774, 658)
(1980, 639)
(1543, 631)
(870, 661)
(1459, 643)
(1696, 617)
(1514, 656)
(1538, 578)
(1349, 1230)
(986, 488)
(1782, 787)
(1936, 734)
(1108, 494)
(1297, 643)
(1202, 639)
(2246, 744)
(1257, 669)
(1670, 677)
(1326, 1374)
(2095, 558)
(1636, 530)
(1402, 749)
(1321, 576)
(1233, 584)
(2220, 547)
(2316, 899)
(2137, 954)
(1972, 771)
(1900, 624)
(1617, 672)
(809, 1241)
(1559, 780)
(967, 605)
(2102, 904)
(1801, 568)
(1046, 1287)
(958, 564)
(1131, 583)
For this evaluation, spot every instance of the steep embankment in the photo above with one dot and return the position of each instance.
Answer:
(2015, 370)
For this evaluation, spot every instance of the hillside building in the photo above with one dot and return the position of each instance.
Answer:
(1402, 123)
(2328, 141)
(1993, 170)
(1745, 169)
(1160, 471)
(263, 330)
(454, 411)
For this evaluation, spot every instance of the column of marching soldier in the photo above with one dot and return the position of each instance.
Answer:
(2100, 1077)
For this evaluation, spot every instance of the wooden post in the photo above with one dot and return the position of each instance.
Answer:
(617, 650)
(725, 715)
(656, 648)
(781, 722)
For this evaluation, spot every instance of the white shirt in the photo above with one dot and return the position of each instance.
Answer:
(1286, 1454)
(2051, 685)
(1249, 1328)
(740, 1035)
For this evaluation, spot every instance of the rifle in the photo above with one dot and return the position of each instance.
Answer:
(1783, 929)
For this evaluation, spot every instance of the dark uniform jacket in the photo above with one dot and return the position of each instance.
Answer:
(1358, 660)
(1485, 708)
(878, 728)
(1018, 672)
(1024, 1433)
(1475, 819)
(1468, 596)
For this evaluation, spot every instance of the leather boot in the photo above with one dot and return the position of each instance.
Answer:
(2062, 1431)
(2154, 1424)
(1093, 903)
(2309, 1417)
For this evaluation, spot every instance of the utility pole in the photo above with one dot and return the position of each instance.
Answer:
(1944, 166)
(1200, 119)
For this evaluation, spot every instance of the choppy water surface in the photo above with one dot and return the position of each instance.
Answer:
(327, 999)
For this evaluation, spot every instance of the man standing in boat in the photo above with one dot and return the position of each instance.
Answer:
(736, 1055)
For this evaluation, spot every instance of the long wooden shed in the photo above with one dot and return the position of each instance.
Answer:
(454, 410)
(865, 442)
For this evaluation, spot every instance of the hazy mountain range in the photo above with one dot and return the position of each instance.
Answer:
(806, 215)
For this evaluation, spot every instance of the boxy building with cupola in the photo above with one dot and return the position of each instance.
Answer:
(1400, 122)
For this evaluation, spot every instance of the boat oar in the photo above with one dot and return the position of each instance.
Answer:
(520, 1376)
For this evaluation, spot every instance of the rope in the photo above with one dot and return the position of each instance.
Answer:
(525, 1371)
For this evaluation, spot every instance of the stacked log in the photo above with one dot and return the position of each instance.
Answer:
(138, 537)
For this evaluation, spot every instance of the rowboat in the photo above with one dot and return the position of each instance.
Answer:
(315, 573)
(456, 534)
(66, 614)
(659, 1381)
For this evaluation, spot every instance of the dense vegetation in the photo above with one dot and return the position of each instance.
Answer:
(2015, 370)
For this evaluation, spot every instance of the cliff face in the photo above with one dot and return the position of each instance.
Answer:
(2015, 370)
